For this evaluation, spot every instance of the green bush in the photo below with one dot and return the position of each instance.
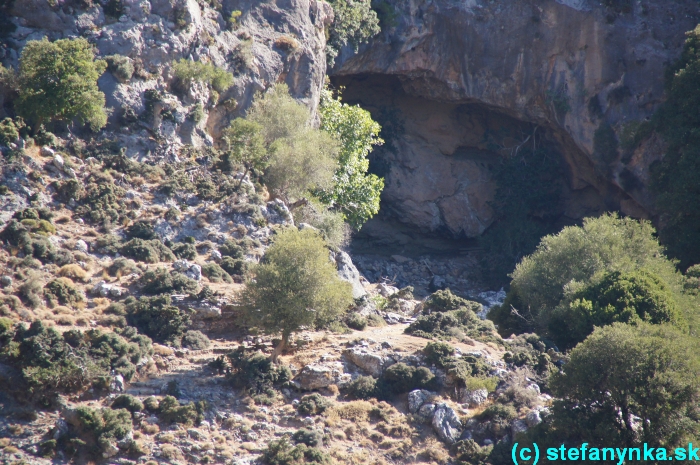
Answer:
(574, 258)
(195, 340)
(128, 402)
(161, 281)
(92, 430)
(313, 404)
(185, 251)
(58, 80)
(170, 411)
(11, 130)
(120, 66)
(122, 266)
(281, 452)
(457, 323)
(354, 23)
(99, 198)
(619, 297)
(445, 301)
(363, 387)
(400, 378)
(157, 318)
(438, 353)
(233, 249)
(141, 230)
(257, 374)
(62, 291)
(187, 71)
(356, 321)
(295, 276)
(215, 273)
(235, 267)
(149, 251)
(34, 244)
(308, 437)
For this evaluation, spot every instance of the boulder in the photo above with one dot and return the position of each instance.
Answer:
(417, 398)
(474, 398)
(47, 152)
(387, 291)
(194, 272)
(533, 418)
(58, 162)
(81, 246)
(447, 424)
(313, 377)
(117, 384)
(6, 281)
(369, 362)
(426, 412)
(348, 272)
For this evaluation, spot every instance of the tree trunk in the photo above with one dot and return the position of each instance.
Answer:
(280, 347)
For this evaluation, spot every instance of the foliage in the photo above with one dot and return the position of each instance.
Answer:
(129, 402)
(29, 237)
(256, 373)
(170, 411)
(51, 362)
(309, 437)
(629, 297)
(187, 71)
(627, 385)
(674, 178)
(184, 251)
(235, 267)
(362, 387)
(141, 230)
(157, 317)
(11, 130)
(313, 404)
(149, 251)
(355, 192)
(526, 205)
(354, 23)
(445, 301)
(245, 145)
(215, 273)
(574, 258)
(195, 340)
(457, 323)
(58, 80)
(400, 378)
(302, 159)
(438, 353)
(356, 321)
(295, 285)
(120, 66)
(92, 430)
(62, 291)
(331, 224)
(281, 452)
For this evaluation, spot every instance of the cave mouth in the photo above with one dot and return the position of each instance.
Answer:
(463, 178)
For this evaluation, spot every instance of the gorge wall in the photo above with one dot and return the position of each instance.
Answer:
(464, 84)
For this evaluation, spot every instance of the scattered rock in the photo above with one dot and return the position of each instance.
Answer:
(194, 272)
(117, 384)
(426, 412)
(417, 398)
(474, 398)
(447, 424)
(215, 255)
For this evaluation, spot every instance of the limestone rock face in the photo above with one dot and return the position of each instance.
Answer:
(452, 78)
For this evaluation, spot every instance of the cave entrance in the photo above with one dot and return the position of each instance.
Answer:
(462, 178)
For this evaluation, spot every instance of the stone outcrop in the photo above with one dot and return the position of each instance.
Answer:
(460, 84)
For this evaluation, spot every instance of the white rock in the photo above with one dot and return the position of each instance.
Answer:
(348, 272)
(215, 255)
(117, 384)
(534, 387)
(518, 426)
(426, 412)
(447, 424)
(533, 418)
(194, 272)
(417, 398)
(81, 246)
(58, 162)
(475, 398)
(47, 152)
(181, 265)
(385, 290)
(313, 377)
(370, 362)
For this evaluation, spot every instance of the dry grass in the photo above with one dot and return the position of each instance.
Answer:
(4, 442)
(150, 429)
(357, 411)
(170, 452)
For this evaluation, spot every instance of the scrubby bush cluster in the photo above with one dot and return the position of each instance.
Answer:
(157, 318)
(257, 374)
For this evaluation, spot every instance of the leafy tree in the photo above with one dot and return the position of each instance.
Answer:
(354, 192)
(675, 178)
(354, 23)
(577, 256)
(58, 80)
(301, 159)
(294, 286)
(627, 385)
(245, 145)
(629, 297)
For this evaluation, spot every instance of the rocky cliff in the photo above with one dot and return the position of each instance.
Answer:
(467, 83)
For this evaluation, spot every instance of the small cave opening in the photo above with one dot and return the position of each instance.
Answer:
(463, 179)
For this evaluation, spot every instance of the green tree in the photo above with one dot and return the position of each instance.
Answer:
(245, 145)
(354, 23)
(628, 385)
(58, 80)
(294, 286)
(355, 193)
(301, 159)
(675, 177)
(629, 297)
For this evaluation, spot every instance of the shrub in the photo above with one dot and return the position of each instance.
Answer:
(355, 192)
(120, 66)
(72, 271)
(11, 130)
(281, 452)
(215, 273)
(257, 374)
(160, 281)
(128, 402)
(438, 353)
(232, 249)
(58, 80)
(354, 23)
(122, 266)
(235, 267)
(141, 230)
(445, 301)
(313, 404)
(185, 251)
(295, 276)
(572, 259)
(93, 430)
(149, 251)
(356, 321)
(187, 71)
(363, 387)
(400, 378)
(62, 291)
(157, 318)
(170, 411)
(245, 145)
(619, 297)
(196, 340)
(308, 437)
